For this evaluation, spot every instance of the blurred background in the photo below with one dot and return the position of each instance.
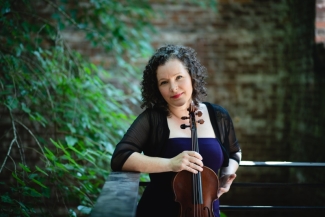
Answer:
(70, 73)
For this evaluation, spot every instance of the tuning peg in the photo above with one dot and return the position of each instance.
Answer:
(201, 121)
(185, 117)
(199, 113)
(183, 126)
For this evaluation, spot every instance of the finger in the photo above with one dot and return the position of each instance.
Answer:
(196, 155)
(223, 190)
(190, 169)
(231, 178)
(195, 167)
(220, 192)
(196, 161)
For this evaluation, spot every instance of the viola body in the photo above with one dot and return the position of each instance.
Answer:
(184, 193)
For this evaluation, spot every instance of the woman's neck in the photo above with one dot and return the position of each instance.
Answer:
(179, 111)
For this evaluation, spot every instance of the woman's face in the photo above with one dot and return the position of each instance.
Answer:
(175, 83)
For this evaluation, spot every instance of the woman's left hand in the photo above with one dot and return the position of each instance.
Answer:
(225, 182)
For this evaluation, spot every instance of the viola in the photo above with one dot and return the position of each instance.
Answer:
(195, 192)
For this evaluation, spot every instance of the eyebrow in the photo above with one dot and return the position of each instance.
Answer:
(178, 73)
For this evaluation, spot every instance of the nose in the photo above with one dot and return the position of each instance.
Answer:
(173, 87)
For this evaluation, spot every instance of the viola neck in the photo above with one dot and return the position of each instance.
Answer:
(195, 143)
(196, 178)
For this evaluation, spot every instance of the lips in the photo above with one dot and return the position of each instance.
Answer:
(177, 96)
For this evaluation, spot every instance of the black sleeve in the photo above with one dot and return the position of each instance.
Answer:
(225, 132)
(234, 147)
(134, 140)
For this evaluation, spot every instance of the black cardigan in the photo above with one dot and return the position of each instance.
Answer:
(149, 134)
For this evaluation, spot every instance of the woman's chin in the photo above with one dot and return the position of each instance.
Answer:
(180, 103)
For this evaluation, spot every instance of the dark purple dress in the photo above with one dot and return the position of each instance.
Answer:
(158, 198)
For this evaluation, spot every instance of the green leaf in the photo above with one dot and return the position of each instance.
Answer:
(84, 209)
(222, 214)
(50, 154)
(40, 170)
(71, 141)
(12, 103)
(25, 168)
(18, 179)
(33, 175)
(39, 183)
(25, 108)
(35, 193)
(72, 213)
(76, 151)
(6, 198)
(61, 166)
(23, 208)
(61, 147)
(58, 145)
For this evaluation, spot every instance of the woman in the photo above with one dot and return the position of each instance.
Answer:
(172, 80)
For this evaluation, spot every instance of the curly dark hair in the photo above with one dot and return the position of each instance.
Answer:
(151, 96)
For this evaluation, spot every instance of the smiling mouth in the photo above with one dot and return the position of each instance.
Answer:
(177, 96)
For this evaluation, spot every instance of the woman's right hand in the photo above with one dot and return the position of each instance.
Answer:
(187, 160)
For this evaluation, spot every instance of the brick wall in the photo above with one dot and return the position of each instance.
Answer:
(246, 47)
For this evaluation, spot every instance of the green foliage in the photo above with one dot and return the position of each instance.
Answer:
(87, 117)
(58, 98)
(222, 214)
